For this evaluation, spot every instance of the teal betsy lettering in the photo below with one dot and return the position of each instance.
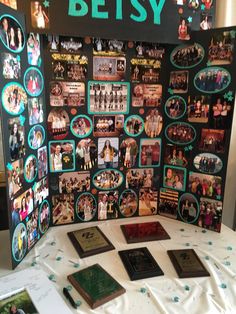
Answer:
(139, 14)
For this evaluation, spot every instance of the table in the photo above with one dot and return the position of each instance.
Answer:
(215, 294)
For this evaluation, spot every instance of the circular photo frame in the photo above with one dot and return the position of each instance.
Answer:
(180, 133)
(188, 208)
(44, 216)
(30, 168)
(19, 242)
(134, 125)
(128, 203)
(33, 81)
(86, 207)
(81, 126)
(14, 98)
(208, 163)
(187, 56)
(175, 107)
(12, 34)
(108, 179)
(36, 136)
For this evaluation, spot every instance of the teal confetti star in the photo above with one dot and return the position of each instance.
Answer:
(229, 248)
(176, 299)
(53, 243)
(186, 149)
(182, 230)
(230, 98)
(225, 96)
(22, 120)
(69, 288)
(233, 34)
(203, 7)
(186, 288)
(187, 244)
(170, 91)
(204, 231)
(227, 263)
(9, 167)
(223, 286)
(143, 290)
(190, 147)
(78, 303)
(52, 278)
(209, 243)
(190, 19)
(46, 4)
(59, 258)
(218, 197)
(33, 264)
(207, 258)
(230, 93)
(209, 63)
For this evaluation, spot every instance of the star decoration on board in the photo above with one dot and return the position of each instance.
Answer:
(190, 147)
(203, 7)
(209, 63)
(46, 3)
(170, 91)
(39, 62)
(22, 120)
(9, 167)
(229, 96)
(233, 34)
(218, 197)
(190, 19)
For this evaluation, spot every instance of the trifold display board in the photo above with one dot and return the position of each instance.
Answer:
(130, 128)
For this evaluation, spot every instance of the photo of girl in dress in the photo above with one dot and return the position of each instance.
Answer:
(108, 152)
(139, 178)
(62, 156)
(212, 80)
(36, 136)
(107, 179)
(205, 184)
(206, 22)
(63, 209)
(86, 207)
(210, 214)
(147, 202)
(153, 123)
(134, 125)
(176, 156)
(35, 109)
(33, 49)
(41, 191)
(32, 229)
(30, 168)
(174, 178)
(15, 177)
(107, 125)
(198, 108)
(11, 33)
(58, 123)
(128, 203)
(108, 206)
(180, 133)
(188, 208)
(11, 66)
(212, 141)
(39, 15)
(208, 163)
(44, 216)
(179, 81)
(150, 153)
(175, 107)
(19, 242)
(16, 139)
(33, 81)
(42, 162)
(71, 182)
(168, 203)
(222, 117)
(184, 29)
(81, 126)
(14, 98)
(86, 154)
(146, 95)
(128, 152)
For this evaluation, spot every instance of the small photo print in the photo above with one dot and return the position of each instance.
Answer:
(108, 205)
(175, 107)
(129, 152)
(71, 94)
(81, 126)
(179, 81)
(108, 98)
(108, 179)
(212, 141)
(187, 56)
(206, 22)
(147, 202)
(36, 136)
(22, 206)
(30, 168)
(109, 47)
(153, 123)
(198, 108)
(221, 49)
(15, 178)
(210, 214)
(128, 203)
(14, 98)
(188, 208)
(176, 156)
(108, 152)
(145, 71)
(11, 66)
(32, 229)
(208, 4)
(149, 50)
(193, 4)
(208, 163)
(42, 162)
(205, 185)
(222, 117)
(71, 44)
(139, 178)
(41, 192)
(39, 15)
(19, 242)
(44, 216)
(180, 133)
(180, 2)
(86, 207)
(86, 154)
(33, 50)
(63, 209)
(146, 95)
(108, 125)
(35, 109)
(168, 203)
(71, 182)
(62, 156)
(134, 125)
(10, 3)
(53, 43)
(184, 29)
(174, 178)
(109, 68)
(17, 302)
(58, 123)
(16, 139)
(212, 80)
(150, 152)
(33, 81)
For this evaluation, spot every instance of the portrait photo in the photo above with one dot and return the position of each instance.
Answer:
(108, 205)
(36, 136)
(184, 29)
(44, 216)
(71, 182)
(108, 150)
(16, 139)
(39, 15)
(30, 168)
(33, 81)
(128, 152)
(32, 229)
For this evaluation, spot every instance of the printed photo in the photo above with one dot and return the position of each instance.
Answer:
(212, 141)
(42, 162)
(108, 125)
(71, 182)
(86, 154)
(208, 163)
(179, 81)
(205, 184)
(81, 126)
(180, 2)
(150, 153)
(16, 139)
(221, 49)
(222, 117)
(108, 205)
(33, 49)
(108, 152)
(175, 107)
(35, 109)
(109, 47)
(41, 192)
(128, 152)
(153, 123)
(168, 203)
(15, 177)
(206, 22)
(71, 44)
(62, 156)
(146, 95)
(63, 209)
(193, 4)
(174, 178)
(108, 98)
(33, 81)
(198, 108)
(39, 15)
(147, 202)
(19, 242)
(180, 133)
(134, 125)
(71, 94)
(149, 50)
(14, 98)
(212, 80)
(32, 229)
(58, 123)
(187, 56)
(128, 203)
(11, 66)
(11, 33)
(10, 3)
(22, 206)
(108, 179)
(109, 68)
(36, 136)
(44, 216)
(176, 156)
(86, 207)
(188, 208)
(140, 178)
(53, 43)
(210, 214)
(145, 71)
(30, 168)
(184, 29)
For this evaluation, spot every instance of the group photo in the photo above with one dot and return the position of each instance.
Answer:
(205, 184)
(150, 153)
(188, 209)
(15, 177)
(108, 125)
(11, 66)
(71, 182)
(221, 49)
(86, 154)
(63, 209)
(139, 178)
(128, 152)
(62, 156)
(180, 133)
(16, 139)
(187, 56)
(153, 123)
(174, 178)
(212, 80)
(168, 203)
(199, 108)
(58, 123)
(208, 163)
(14, 98)
(176, 156)
(179, 81)
(210, 216)
(146, 95)
(107, 179)
(212, 141)
(11, 34)
(128, 203)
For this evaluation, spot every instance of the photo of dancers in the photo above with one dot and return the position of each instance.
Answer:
(193, 4)
(63, 209)
(36, 136)
(134, 125)
(14, 98)
(11, 66)
(210, 214)
(86, 207)
(175, 107)
(222, 118)
(30, 168)
(139, 178)
(19, 242)
(150, 152)
(212, 80)
(208, 4)
(168, 203)
(41, 191)
(62, 156)
(39, 15)
(188, 208)
(58, 123)
(71, 182)
(174, 178)
(10, 3)
(108, 125)
(176, 156)
(198, 108)
(108, 152)
(146, 95)
(70, 44)
(149, 50)
(179, 81)
(212, 141)
(145, 71)
(33, 49)
(107, 179)
(221, 49)
(128, 152)
(81, 126)
(77, 70)
(33, 81)
(42, 162)
(180, 133)
(205, 184)
(184, 29)
(128, 203)
(147, 202)
(32, 229)
(15, 177)
(11, 33)
(187, 56)
(108, 206)
(109, 68)
(35, 109)
(44, 216)
(86, 154)
(109, 47)
(16, 139)
(108, 97)
(153, 123)
(208, 163)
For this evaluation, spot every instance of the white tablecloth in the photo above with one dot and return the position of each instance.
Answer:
(215, 294)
